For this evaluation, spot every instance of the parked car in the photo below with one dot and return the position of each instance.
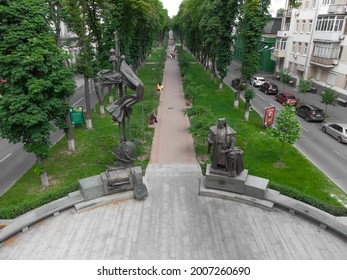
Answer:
(286, 98)
(337, 130)
(310, 113)
(258, 81)
(269, 88)
(236, 82)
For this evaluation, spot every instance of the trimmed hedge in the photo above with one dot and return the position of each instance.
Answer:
(287, 191)
(13, 211)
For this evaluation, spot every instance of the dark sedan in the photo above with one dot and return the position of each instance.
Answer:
(310, 113)
(269, 88)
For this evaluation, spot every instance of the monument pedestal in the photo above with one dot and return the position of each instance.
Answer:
(97, 186)
(242, 184)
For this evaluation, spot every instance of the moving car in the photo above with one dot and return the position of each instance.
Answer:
(258, 81)
(286, 98)
(269, 88)
(310, 113)
(337, 130)
(236, 82)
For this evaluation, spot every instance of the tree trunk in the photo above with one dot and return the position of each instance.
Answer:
(69, 134)
(237, 99)
(102, 110)
(43, 174)
(221, 83)
(282, 148)
(110, 94)
(247, 110)
(236, 103)
(89, 124)
(86, 79)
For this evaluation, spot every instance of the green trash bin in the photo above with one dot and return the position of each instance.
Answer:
(76, 115)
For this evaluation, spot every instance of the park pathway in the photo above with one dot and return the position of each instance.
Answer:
(172, 143)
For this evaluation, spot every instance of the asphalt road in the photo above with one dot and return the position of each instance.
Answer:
(14, 161)
(321, 149)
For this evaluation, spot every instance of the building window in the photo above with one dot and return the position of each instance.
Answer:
(318, 74)
(294, 47)
(303, 26)
(329, 2)
(299, 47)
(326, 50)
(309, 26)
(314, 2)
(331, 78)
(281, 44)
(306, 49)
(329, 23)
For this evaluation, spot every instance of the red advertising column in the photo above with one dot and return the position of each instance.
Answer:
(269, 116)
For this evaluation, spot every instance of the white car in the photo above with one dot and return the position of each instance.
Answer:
(258, 81)
(337, 130)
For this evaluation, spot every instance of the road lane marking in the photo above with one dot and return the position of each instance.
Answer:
(340, 154)
(304, 128)
(261, 96)
(78, 101)
(5, 157)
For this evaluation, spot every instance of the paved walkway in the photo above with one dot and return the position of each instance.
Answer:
(174, 222)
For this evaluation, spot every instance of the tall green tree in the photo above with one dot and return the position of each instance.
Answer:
(284, 77)
(303, 87)
(227, 12)
(329, 97)
(249, 95)
(37, 81)
(287, 129)
(253, 21)
(56, 16)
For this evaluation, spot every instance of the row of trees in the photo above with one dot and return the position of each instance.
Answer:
(207, 28)
(38, 80)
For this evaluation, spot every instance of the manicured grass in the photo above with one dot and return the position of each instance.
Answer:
(261, 152)
(93, 152)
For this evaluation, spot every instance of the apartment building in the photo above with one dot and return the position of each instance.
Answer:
(312, 43)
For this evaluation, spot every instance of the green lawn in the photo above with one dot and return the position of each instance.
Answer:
(93, 153)
(261, 152)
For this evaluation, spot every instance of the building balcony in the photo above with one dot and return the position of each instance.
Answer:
(279, 53)
(323, 61)
(283, 33)
(328, 36)
(337, 9)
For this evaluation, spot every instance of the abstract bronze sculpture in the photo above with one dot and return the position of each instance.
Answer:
(122, 76)
(226, 158)
(123, 178)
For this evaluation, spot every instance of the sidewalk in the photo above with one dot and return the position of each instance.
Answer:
(172, 143)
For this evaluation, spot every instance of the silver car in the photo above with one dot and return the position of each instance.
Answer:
(258, 81)
(337, 130)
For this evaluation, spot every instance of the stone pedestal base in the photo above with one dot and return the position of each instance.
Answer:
(97, 186)
(242, 184)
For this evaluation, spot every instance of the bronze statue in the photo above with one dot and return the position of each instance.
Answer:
(226, 158)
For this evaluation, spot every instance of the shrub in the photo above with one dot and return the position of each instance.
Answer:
(13, 211)
(295, 194)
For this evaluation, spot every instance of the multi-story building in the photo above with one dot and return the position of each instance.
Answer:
(312, 43)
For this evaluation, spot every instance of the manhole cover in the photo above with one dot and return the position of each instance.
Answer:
(170, 108)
